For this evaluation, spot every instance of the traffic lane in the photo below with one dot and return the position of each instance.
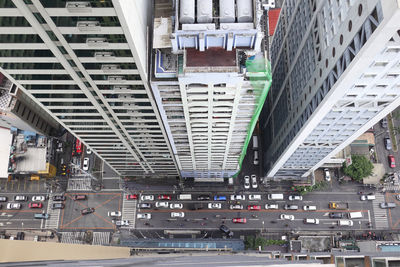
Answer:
(20, 219)
(394, 213)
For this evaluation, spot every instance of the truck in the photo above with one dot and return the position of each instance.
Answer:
(338, 205)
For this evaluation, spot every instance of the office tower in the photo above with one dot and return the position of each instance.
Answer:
(202, 52)
(335, 68)
(85, 62)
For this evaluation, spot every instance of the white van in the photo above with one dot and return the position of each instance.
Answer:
(345, 223)
(355, 215)
(255, 142)
(255, 157)
(275, 196)
(368, 197)
(185, 197)
(311, 221)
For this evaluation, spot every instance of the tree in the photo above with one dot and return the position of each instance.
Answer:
(361, 167)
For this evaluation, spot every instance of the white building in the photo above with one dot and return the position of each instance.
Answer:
(336, 72)
(85, 63)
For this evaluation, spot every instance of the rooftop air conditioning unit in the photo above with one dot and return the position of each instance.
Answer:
(116, 79)
(88, 26)
(110, 67)
(120, 87)
(97, 42)
(81, 6)
(104, 55)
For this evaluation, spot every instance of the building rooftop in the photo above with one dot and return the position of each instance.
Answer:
(212, 57)
(273, 16)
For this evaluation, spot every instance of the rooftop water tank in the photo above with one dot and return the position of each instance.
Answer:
(227, 11)
(204, 11)
(245, 10)
(186, 11)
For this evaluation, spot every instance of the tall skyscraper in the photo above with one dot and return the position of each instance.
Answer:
(208, 87)
(336, 72)
(86, 63)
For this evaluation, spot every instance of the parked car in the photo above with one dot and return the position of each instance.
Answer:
(392, 161)
(236, 207)
(20, 198)
(87, 211)
(144, 206)
(238, 197)
(291, 207)
(35, 205)
(162, 204)
(309, 208)
(327, 175)
(58, 198)
(79, 197)
(131, 196)
(254, 207)
(147, 198)
(311, 221)
(287, 217)
(294, 197)
(336, 215)
(271, 206)
(214, 205)
(254, 181)
(164, 197)
(38, 198)
(239, 220)
(122, 223)
(254, 197)
(85, 164)
(144, 216)
(57, 206)
(114, 214)
(88, 151)
(246, 182)
(176, 206)
(203, 197)
(3, 199)
(388, 143)
(225, 229)
(14, 206)
(177, 214)
(387, 205)
(384, 122)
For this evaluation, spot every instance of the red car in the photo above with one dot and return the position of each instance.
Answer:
(130, 197)
(254, 207)
(392, 161)
(35, 205)
(239, 220)
(164, 197)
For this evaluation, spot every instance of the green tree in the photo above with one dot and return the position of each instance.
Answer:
(361, 167)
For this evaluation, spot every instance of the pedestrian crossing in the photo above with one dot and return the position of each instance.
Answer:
(392, 187)
(101, 238)
(380, 215)
(79, 184)
(54, 215)
(129, 211)
(72, 237)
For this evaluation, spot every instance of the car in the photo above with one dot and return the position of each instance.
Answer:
(144, 216)
(387, 205)
(336, 215)
(254, 207)
(398, 197)
(58, 198)
(162, 204)
(239, 220)
(311, 221)
(294, 197)
(214, 205)
(147, 198)
(254, 197)
(20, 198)
(388, 143)
(307, 208)
(122, 223)
(114, 214)
(225, 229)
(57, 206)
(291, 207)
(85, 164)
(131, 196)
(392, 161)
(35, 205)
(327, 175)
(177, 214)
(254, 181)
(14, 206)
(246, 182)
(203, 197)
(3, 199)
(271, 206)
(236, 207)
(164, 197)
(287, 217)
(176, 206)
(384, 123)
(220, 198)
(38, 198)
(79, 197)
(238, 197)
(87, 211)
(144, 206)
(88, 151)
(41, 216)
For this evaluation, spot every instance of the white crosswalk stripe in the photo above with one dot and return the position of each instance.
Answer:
(129, 211)
(101, 238)
(380, 215)
(54, 215)
(79, 184)
(392, 187)
(72, 237)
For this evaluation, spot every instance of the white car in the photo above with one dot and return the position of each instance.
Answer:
(236, 207)
(114, 214)
(176, 206)
(38, 198)
(85, 164)
(147, 197)
(327, 175)
(144, 216)
(13, 206)
(246, 182)
(287, 217)
(311, 221)
(254, 197)
(293, 197)
(271, 206)
(177, 214)
(122, 223)
(238, 197)
(88, 151)
(254, 181)
(309, 207)
(162, 204)
(214, 205)
(20, 198)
